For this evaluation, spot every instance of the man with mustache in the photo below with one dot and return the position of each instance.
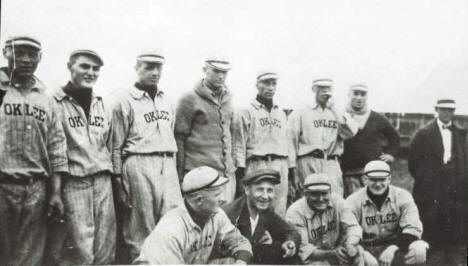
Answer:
(273, 240)
(367, 144)
(32, 155)
(330, 233)
(203, 125)
(261, 138)
(87, 191)
(143, 153)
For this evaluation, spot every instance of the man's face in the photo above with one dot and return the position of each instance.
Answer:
(215, 77)
(260, 194)
(317, 200)
(24, 59)
(211, 201)
(322, 94)
(358, 99)
(84, 71)
(267, 88)
(378, 185)
(445, 114)
(148, 73)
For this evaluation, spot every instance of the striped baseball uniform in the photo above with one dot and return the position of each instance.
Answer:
(89, 237)
(177, 239)
(32, 146)
(317, 130)
(398, 214)
(322, 230)
(260, 140)
(143, 153)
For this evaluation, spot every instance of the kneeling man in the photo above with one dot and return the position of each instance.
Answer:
(188, 233)
(389, 218)
(330, 233)
(273, 240)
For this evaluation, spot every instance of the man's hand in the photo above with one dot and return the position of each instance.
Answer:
(56, 209)
(351, 250)
(370, 260)
(386, 257)
(266, 239)
(240, 262)
(289, 248)
(340, 254)
(388, 158)
(123, 198)
(417, 252)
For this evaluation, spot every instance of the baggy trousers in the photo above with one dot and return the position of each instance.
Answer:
(307, 165)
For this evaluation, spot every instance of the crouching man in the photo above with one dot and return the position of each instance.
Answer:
(273, 240)
(389, 218)
(189, 233)
(330, 233)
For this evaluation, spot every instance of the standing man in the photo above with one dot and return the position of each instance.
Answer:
(143, 153)
(260, 138)
(203, 126)
(318, 132)
(389, 219)
(90, 229)
(367, 144)
(330, 233)
(32, 154)
(190, 233)
(437, 161)
(273, 240)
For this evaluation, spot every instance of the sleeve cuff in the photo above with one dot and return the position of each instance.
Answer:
(60, 168)
(243, 255)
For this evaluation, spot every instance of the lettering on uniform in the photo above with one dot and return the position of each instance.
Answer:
(197, 245)
(323, 229)
(382, 219)
(156, 115)
(16, 109)
(97, 121)
(77, 121)
(326, 123)
(267, 121)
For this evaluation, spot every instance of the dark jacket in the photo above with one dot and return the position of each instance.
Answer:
(441, 195)
(279, 229)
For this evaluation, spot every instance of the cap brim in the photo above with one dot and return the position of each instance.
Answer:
(378, 174)
(219, 66)
(318, 188)
(221, 181)
(446, 105)
(270, 178)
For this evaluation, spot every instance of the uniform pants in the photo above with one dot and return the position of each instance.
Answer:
(281, 190)
(230, 189)
(89, 233)
(22, 223)
(153, 186)
(356, 261)
(353, 180)
(398, 259)
(307, 165)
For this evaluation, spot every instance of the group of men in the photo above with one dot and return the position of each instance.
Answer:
(203, 183)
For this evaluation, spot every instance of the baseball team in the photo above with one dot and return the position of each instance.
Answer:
(84, 181)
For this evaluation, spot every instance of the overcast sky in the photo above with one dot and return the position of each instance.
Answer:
(407, 52)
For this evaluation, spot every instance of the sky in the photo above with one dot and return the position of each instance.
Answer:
(408, 53)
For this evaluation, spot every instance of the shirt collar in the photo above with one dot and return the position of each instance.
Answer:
(367, 200)
(311, 212)
(5, 80)
(440, 124)
(138, 94)
(258, 105)
(60, 94)
(189, 221)
(204, 91)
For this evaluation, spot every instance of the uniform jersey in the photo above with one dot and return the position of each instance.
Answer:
(317, 128)
(177, 239)
(399, 214)
(88, 138)
(322, 230)
(32, 141)
(259, 132)
(142, 126)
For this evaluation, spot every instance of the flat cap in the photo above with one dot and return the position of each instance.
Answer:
(88, 52)
(358, 87)
(23, 41)
(201, 178)
(151, 57)
(260, 175)
(377, 169)
(446, 103)
(317, 182)
(266, 75)
(218, 63)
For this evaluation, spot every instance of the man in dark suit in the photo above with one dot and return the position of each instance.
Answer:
(437, 161)
(273, 240)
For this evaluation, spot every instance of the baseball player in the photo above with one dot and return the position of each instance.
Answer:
(389, 219)
(260, 138)
(143, 152)
(32, 154)
(87, 190)
(190, 233)
(318, 132)
(203, 125)
(329, 231)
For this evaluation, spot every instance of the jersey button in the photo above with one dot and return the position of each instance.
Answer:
(28, 126)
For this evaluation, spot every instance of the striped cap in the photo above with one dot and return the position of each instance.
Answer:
(23, 41)
(323, 82)
(446, 103)
(88, 52)
(317, 182)
(358, 87)
(218, 63)
(151, 57)
(377, 168)
(265, 75)
(201, 178)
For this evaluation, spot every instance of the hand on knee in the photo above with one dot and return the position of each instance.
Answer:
(416, 252)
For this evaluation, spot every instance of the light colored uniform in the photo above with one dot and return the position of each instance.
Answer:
(399, 214)
(314, 128)
(32, 146)
(322, 230)
(177, 239)
(261, 141)
(144, 153)
(90, 232)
